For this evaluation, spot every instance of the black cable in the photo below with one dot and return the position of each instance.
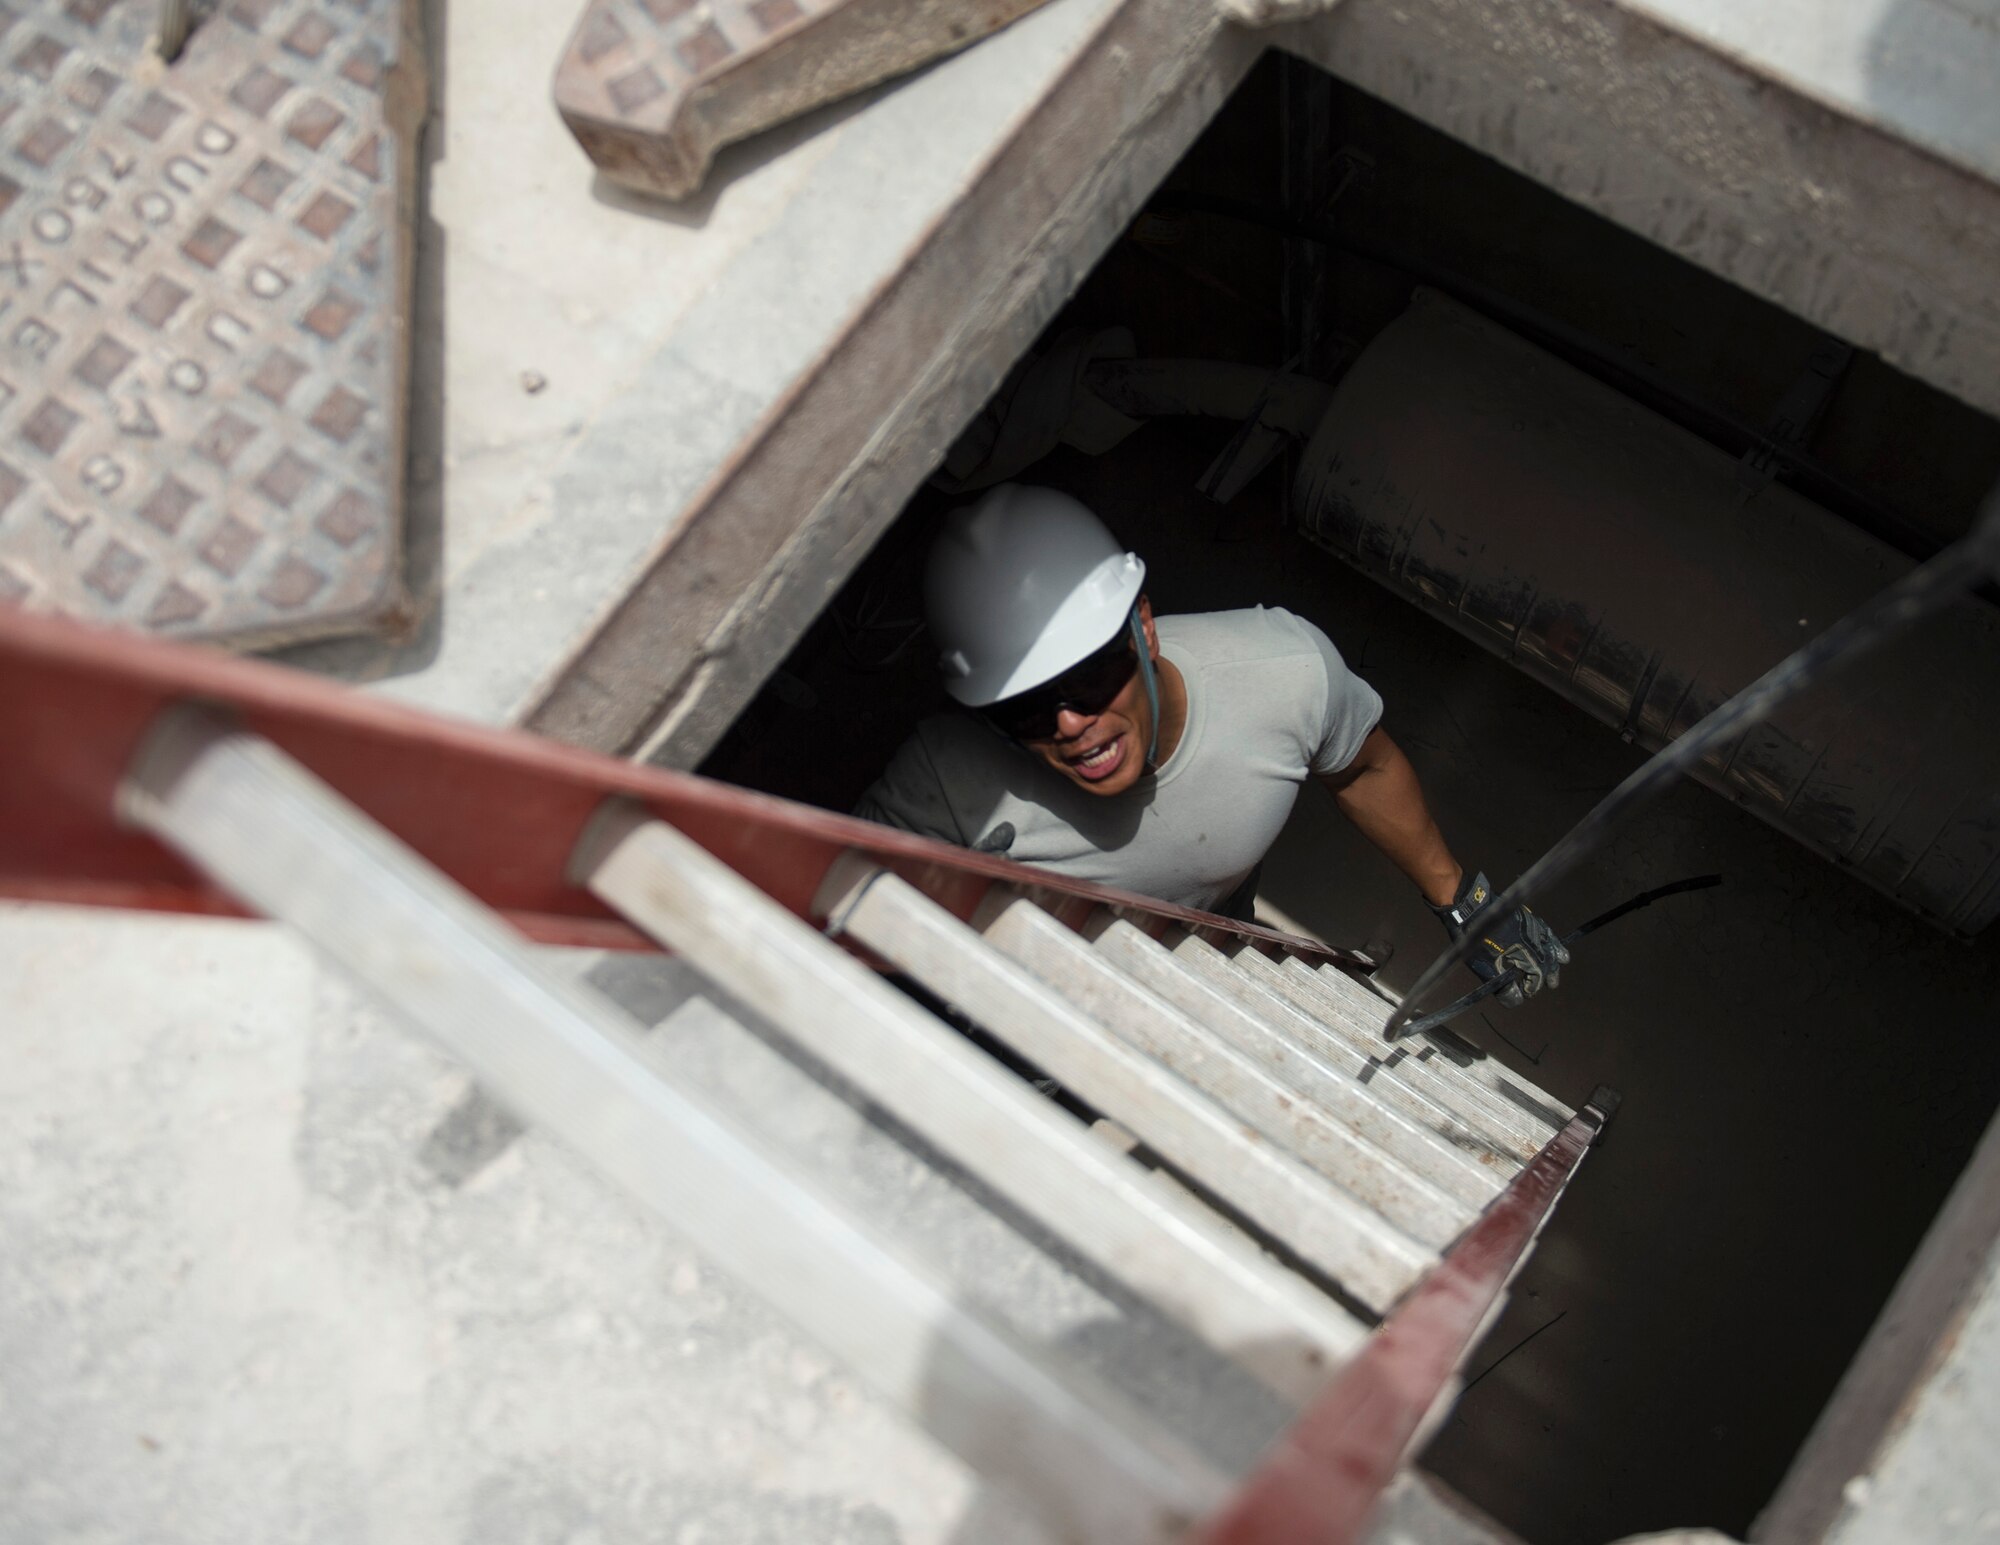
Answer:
(1923, 590)
(1697, 882)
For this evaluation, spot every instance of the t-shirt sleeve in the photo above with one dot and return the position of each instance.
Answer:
(1352, 709)
(910, 794)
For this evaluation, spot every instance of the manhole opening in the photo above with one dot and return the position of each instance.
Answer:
(1679, 1329)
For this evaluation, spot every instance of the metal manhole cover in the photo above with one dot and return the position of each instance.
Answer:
(204, 280)
(652, 88)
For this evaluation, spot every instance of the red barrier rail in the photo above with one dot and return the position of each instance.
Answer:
(497, 810)
(1321, 1483)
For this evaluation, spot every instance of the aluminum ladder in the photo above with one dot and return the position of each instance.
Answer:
(1335, 1216)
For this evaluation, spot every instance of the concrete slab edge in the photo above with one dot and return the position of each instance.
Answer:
(736, 581)
(1913, 1337)
(1827, 211)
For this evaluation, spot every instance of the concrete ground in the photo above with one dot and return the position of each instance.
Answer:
(261, 1281)
(587, 361)
(270, 1269)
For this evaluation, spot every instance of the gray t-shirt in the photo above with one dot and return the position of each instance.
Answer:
(1270, 702)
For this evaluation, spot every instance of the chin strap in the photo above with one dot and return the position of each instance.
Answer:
(1148, 676)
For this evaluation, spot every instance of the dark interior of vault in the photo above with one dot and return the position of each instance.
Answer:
(1805, 1065)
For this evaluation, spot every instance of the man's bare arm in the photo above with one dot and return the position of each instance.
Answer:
(1378, 791)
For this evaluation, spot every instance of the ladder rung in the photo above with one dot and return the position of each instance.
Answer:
(1327, 1077)
(1514, 1128)
(1160, 1243)
(1355, 1016)
(1025, 933)
(1372, 1260)
(1536, 1100)
(287, 846)
(1394, 1075)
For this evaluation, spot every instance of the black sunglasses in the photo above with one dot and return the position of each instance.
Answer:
(1087, 686)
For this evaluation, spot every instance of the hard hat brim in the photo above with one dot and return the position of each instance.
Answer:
(1087, 619)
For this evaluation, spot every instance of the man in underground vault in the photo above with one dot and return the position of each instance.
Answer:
(1159, 755)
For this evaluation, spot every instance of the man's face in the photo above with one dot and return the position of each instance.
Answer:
(1104, 752)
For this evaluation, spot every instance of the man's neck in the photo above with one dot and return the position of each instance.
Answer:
(1173, 709)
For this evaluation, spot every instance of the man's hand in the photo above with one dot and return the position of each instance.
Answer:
(1519, 942)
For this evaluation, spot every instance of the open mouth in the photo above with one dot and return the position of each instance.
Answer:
(1099, 762)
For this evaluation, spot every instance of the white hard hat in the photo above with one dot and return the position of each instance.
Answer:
(1020, 587)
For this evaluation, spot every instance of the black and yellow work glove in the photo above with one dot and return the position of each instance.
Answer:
(1520, 942)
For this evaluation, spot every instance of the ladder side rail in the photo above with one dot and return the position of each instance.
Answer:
(1158, 1241)
(1321, 1482)
(498, 810)
(290, 848)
